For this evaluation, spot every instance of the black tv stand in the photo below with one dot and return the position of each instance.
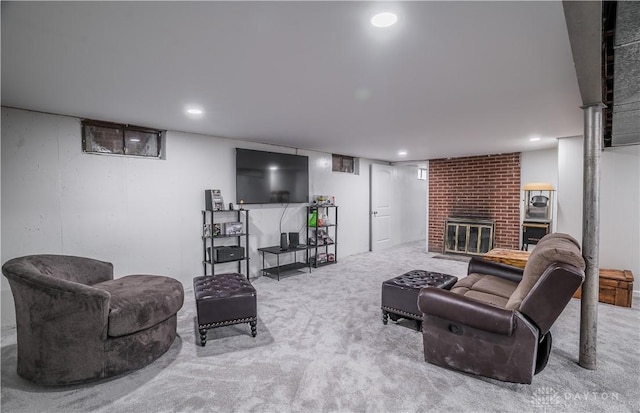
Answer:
(280, 269)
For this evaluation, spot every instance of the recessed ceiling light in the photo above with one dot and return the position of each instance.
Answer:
(385, 19)
(273, 168)
(534, 139)
(402, 153)
(194, 111)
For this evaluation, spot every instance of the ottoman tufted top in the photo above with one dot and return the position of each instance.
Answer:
(416, 279)
(400, 294)
(222, 285)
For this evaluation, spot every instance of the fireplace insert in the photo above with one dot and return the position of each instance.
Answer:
(468, 235)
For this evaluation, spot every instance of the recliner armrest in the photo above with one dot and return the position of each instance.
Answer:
(461, 310)
(479, 265)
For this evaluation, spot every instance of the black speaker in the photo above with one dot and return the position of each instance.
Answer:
(284, 243)
(294, 239)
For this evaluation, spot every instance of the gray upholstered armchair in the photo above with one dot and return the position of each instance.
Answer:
(495, 322)
(76, 323)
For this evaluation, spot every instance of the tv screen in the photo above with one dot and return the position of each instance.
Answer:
(269, 177)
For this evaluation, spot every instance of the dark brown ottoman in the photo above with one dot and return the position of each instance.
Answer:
(400, 294)
(222, 300)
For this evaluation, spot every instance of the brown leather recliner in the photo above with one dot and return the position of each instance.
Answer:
(495, 322)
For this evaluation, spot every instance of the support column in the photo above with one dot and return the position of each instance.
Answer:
(590, 234)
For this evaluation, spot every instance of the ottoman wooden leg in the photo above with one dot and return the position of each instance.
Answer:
(385, 317)
(203, 336)
(254, 331)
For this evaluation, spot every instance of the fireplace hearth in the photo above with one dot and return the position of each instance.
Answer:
(470, 236)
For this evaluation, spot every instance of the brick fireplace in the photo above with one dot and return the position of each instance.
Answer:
(476, 187)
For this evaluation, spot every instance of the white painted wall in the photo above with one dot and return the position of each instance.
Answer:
(426, 221)
(351, 193)
(143, 215)
(539, 166)
(619, 200)
(619, 197)
(620, 210)
(411, 201)
(570, 162)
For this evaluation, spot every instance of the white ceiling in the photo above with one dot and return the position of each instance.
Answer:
(449, 79)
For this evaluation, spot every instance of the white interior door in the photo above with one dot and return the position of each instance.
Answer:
(381, 207)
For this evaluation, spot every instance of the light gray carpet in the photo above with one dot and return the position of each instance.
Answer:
(322, 347)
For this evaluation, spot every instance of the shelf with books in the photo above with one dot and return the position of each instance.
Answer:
(322, 234)
(225, 239)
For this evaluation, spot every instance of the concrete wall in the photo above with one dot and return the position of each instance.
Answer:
(143, 215)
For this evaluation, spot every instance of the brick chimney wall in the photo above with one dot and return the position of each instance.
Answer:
(486, 187)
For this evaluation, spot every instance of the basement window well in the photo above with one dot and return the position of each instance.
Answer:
(120, 139)
(343, 163)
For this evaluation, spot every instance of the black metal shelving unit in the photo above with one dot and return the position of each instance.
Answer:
(213, 235)
(322, 239)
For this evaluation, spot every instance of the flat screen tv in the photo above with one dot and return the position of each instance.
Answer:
(269, 177)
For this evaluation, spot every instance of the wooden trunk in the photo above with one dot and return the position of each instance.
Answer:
(616, 287)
